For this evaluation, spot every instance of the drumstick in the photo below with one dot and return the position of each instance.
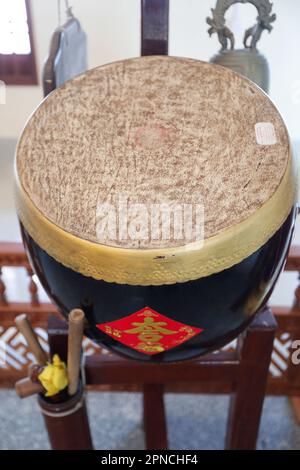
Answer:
(76, 322)
(26, 387)
(26, 329)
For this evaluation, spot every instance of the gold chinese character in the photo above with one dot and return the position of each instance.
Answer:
(188, 330)
(147, 313)
(150, 348)
(150, 331)
(112, 331)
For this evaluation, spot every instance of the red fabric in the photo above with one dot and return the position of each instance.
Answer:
(148, 331)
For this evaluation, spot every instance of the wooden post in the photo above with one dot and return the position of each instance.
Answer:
(154, 417)
(67, 423)
(247, 401)
(155, 27)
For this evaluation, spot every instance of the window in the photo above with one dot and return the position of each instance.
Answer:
(17, 60)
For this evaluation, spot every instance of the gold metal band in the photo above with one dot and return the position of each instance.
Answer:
(165, 265)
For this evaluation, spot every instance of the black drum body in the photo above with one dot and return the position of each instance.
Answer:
(217, 307)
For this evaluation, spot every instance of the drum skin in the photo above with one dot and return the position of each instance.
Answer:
(221, 304)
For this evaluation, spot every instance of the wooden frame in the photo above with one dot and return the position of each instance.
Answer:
(227, 372)
(251, 359)
(20, 68)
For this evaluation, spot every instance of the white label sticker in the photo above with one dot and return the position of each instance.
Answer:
(265, 133)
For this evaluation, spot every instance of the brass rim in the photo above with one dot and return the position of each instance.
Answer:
(165, 265)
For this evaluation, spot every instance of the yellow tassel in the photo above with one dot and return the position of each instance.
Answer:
(54, 377)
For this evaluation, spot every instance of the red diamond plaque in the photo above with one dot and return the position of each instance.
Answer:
(149, 332)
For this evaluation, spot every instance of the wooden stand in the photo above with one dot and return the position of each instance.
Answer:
(245, 370)
(215, 374)
(67, 423)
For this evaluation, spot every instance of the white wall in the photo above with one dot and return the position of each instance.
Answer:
(189, 38)
(113, 28)
(113, 33)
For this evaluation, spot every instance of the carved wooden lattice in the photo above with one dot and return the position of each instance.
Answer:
(284, 377)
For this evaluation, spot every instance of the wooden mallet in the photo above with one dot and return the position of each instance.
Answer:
(75, 335)
(26, 387)
(30, 385)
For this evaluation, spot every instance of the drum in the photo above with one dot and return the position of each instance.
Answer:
(158, 195)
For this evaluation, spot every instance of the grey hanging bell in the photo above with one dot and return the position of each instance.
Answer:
(248, 61)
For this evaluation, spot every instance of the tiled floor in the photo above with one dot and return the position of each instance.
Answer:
(194, 422)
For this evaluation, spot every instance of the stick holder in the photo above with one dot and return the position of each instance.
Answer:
(67, 422)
